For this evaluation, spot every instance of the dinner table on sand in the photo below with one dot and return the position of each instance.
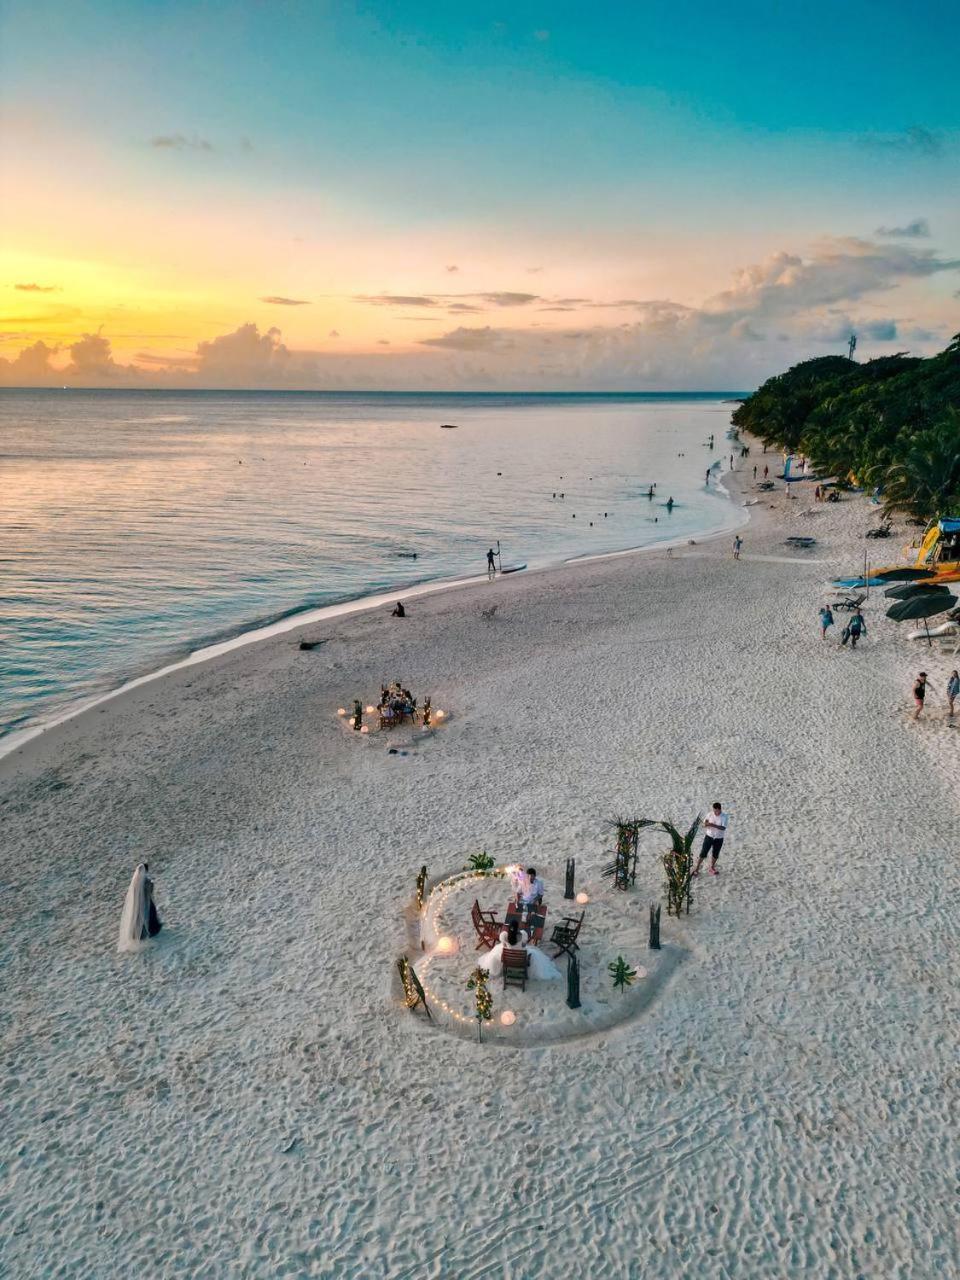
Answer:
(533, 918)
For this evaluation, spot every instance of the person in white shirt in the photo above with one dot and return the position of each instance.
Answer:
(532, 890)
(714, 831)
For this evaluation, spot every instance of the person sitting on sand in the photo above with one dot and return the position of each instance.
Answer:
(139, 919)
(542, 968)
(399, 611)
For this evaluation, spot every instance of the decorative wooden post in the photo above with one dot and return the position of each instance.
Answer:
(568, 883)
(655, 928)
(357, 713)
(573, 981)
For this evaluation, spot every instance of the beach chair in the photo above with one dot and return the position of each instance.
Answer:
(487, 926)
(566, 933)
(515, 963)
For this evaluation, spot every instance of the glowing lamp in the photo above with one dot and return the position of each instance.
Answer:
(365, 729)
(583, 898)
(439, 714)
(508, 1018)
(641, 972)
(371, 710)
(341, 711)
(446, 946)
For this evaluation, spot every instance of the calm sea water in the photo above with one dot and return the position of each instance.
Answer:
(137, 526)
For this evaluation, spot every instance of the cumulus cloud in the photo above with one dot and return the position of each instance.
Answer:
(37, 288)
(837, 271)
(180, 142)
(275, 300)
(31, 368)
(244, 358)
(913, 141)
(918, 229)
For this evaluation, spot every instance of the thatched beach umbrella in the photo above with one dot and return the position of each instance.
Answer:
(927, 605)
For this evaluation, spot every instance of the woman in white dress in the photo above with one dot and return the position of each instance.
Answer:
(542, 967)
(139, 920)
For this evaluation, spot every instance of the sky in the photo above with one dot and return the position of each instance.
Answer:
(444, 196)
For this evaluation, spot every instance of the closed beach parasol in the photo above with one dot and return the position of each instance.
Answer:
(906, 590)
(926, 605)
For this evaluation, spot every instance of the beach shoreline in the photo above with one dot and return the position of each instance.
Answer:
(249, 1096)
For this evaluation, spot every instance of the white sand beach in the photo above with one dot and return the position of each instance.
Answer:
(248, 1096)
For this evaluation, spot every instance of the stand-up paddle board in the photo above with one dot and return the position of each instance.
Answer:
(513, 568)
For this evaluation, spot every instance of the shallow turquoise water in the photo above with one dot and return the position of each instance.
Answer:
(136, 526)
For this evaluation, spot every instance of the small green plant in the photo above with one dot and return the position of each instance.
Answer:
(480, 862)
(421, 887)
(623, 975)
(478, 984)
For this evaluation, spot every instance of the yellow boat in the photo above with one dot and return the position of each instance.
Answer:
(939, 552)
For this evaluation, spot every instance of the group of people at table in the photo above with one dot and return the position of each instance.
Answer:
(397, 702)
(525, 917)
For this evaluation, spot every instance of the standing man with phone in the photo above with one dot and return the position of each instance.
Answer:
(714, 832)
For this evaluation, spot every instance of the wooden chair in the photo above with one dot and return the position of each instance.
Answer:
(536, 923)
(515, 966)
(566, 933)
(487, 926)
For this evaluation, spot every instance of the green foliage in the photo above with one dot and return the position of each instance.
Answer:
(623, 975)
(891, 422)
(480, 862)
(421, 887)
(678, 864)
(479, 984)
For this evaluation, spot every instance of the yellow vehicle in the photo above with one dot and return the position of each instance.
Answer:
(940, 550)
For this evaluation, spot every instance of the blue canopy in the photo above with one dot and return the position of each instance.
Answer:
(950, 525)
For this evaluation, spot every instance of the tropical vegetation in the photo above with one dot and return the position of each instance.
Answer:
(892, 423)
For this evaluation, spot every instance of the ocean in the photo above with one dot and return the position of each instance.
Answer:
(138, 526)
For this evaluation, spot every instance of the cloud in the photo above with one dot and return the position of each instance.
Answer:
(276, 301)
(244, 358)
(37, 288)
(245, 144)
(452, 268)
(31, 368)
(180, 142)
(918, 229)
(334, 333)
(398, 300)
(914, 141)
(382, 342)
(533, 271)
(462, 306)
(92, 363)
(508, 299)
(461, 339)
(837, 271)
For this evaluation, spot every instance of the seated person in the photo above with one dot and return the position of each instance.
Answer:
(388, 712)
(399, 611)
(541, 967)
(531, 889)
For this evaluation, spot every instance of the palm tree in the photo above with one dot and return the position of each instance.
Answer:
(926, 481)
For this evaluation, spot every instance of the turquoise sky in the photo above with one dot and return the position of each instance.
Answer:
(700, 139)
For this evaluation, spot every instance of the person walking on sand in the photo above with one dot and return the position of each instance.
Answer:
(754, 473)
(714, 832)
(737, 544)
(491, 565)
(953, 690)
(826, 620)
(766, 472)
(854, 629)
(919, 693)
